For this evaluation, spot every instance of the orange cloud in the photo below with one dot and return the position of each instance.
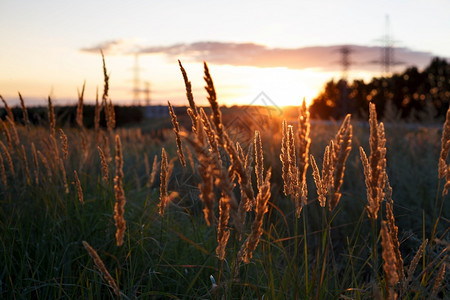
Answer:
(323, 58)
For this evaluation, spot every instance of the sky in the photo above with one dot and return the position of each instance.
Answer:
(285, 49)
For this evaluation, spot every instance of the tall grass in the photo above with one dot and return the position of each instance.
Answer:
(236, 217)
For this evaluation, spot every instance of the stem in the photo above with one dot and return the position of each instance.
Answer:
(305, 244)
(438, 217)
(295, 253)
(374, 226)
(160, 235)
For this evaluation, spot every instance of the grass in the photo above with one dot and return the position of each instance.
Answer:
(318, 253)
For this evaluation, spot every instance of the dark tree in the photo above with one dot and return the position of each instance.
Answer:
(415, 94)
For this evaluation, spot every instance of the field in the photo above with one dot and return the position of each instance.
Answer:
(213, 209)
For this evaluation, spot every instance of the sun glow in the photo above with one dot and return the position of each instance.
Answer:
(280, 86)
(235, 85)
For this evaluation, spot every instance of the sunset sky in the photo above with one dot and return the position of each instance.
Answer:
(286, 49)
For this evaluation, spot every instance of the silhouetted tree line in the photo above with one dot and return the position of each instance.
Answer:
(66, 115)
(412, 95)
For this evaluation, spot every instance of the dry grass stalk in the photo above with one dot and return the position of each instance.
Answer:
(24, 112)
(80, 106)
(190, 158)
(248, 159)
(212, 98)
(101, 266)
(294, 185)
(303, 199)
(304, 141)
(50, 152)
(78, 187)
(328, 168)
(438, 280)
(390, 262)
(36, 163)
(335, 156)
(3, 172)
(208, 165)
(224, 140)
(192, 110)
(245, 204)
(110, 116)
(367, 171)
(447, 182)
(119, 207)
(393, 230)
(45, 163)
(415, 261)
(342, 145)
(51, 117)
(105, 80)
(63, 174)
(445, 146)
(105, 145)
(64, 144)
(321, 187)
(7, 135)
(223, 233)
(8, 158)
(219, 133)
(203, 124)
(220, 173)
(25, 162)
(246, 252)
(15, 135)
(193, 118)
(244, 176)
(155, 167)
(259, 167)
(206, 127)
(98, 110)
(164, 182)
(104, 163)
(284, 157)
(224, 183)
(206, 188)
(240, 151)
(54, 147)
(229, 204)
(293, 169)
(176, 129)
(375, 165)
(7, 108)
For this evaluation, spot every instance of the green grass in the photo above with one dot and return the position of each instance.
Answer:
(320, 255)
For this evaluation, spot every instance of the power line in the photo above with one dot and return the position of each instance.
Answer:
(345, 60)
(387, 60)
(136, 80)
(147, 93)
(138, 83)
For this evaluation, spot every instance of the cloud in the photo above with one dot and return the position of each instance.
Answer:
(323, 58)
(114, 47)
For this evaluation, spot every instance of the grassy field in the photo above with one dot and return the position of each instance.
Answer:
(103, 213)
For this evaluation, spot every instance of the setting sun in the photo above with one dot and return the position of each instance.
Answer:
(282, 86)
(287, 87)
